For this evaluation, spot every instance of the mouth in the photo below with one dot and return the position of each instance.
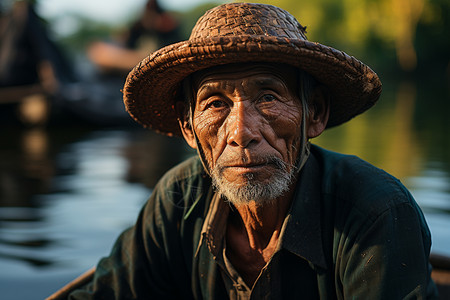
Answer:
(252, 167)
(246, 167)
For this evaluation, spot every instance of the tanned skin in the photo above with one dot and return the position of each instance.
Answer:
(251, 110)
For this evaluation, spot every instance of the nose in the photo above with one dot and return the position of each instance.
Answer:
(243, 127)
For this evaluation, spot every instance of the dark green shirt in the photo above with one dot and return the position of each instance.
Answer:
(353, 232)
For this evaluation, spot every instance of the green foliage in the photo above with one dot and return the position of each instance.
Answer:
(432, 38)
(396, 36)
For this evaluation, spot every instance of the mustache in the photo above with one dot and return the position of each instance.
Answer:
(244, 159)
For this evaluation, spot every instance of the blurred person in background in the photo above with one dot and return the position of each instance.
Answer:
(33, 68)
(154, 29)
(27, 54)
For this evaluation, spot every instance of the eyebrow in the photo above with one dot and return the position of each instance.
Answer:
(270, 81)
(206, 88)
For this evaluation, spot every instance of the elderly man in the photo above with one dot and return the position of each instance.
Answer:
(261, 213)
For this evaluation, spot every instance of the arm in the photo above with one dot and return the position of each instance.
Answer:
(387, 258)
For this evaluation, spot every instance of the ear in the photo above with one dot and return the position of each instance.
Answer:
(319, 111)
(185, 127)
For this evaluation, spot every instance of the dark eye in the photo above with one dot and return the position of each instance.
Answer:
(217, 104)
(267, 98)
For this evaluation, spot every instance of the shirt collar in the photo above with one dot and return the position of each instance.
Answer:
(215, 225)
(301, 232)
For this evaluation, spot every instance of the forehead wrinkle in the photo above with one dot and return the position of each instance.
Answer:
(239, 86)
(268, 81)
(261, 74)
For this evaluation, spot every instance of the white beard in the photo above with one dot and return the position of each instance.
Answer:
(253, 190)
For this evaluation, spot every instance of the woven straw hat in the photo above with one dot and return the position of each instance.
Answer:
(245, 32)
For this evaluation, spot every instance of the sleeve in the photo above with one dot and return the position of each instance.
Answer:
(388, 257)
(147, 260)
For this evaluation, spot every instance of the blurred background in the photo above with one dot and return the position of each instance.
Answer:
(75, 169)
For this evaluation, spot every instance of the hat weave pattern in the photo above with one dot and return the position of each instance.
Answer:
(245, 32)
(253, 21)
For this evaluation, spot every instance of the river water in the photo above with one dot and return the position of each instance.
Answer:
(67, 192)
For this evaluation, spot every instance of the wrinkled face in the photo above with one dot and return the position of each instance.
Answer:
(248, 123)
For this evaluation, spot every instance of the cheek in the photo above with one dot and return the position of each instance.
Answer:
(286, 128)
(288, 124)
(209, 134)
(284, 115)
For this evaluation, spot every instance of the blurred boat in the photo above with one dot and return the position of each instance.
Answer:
(97, 102)
(93, 103)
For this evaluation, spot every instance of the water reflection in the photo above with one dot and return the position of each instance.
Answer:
(384, 135)
(66, 192)
(397, 134)
(149, 156)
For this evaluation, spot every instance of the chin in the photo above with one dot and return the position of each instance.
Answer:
(261, 192)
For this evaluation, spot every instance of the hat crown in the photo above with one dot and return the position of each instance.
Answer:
(248, 19)
(241, 33)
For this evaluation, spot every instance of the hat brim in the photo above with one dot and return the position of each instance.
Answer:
(153, 87)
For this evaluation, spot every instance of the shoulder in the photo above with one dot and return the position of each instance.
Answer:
(186, 171)
(181, 188)
(354, 183)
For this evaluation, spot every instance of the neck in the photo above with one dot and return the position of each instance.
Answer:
(262, 223)
(252, 235)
